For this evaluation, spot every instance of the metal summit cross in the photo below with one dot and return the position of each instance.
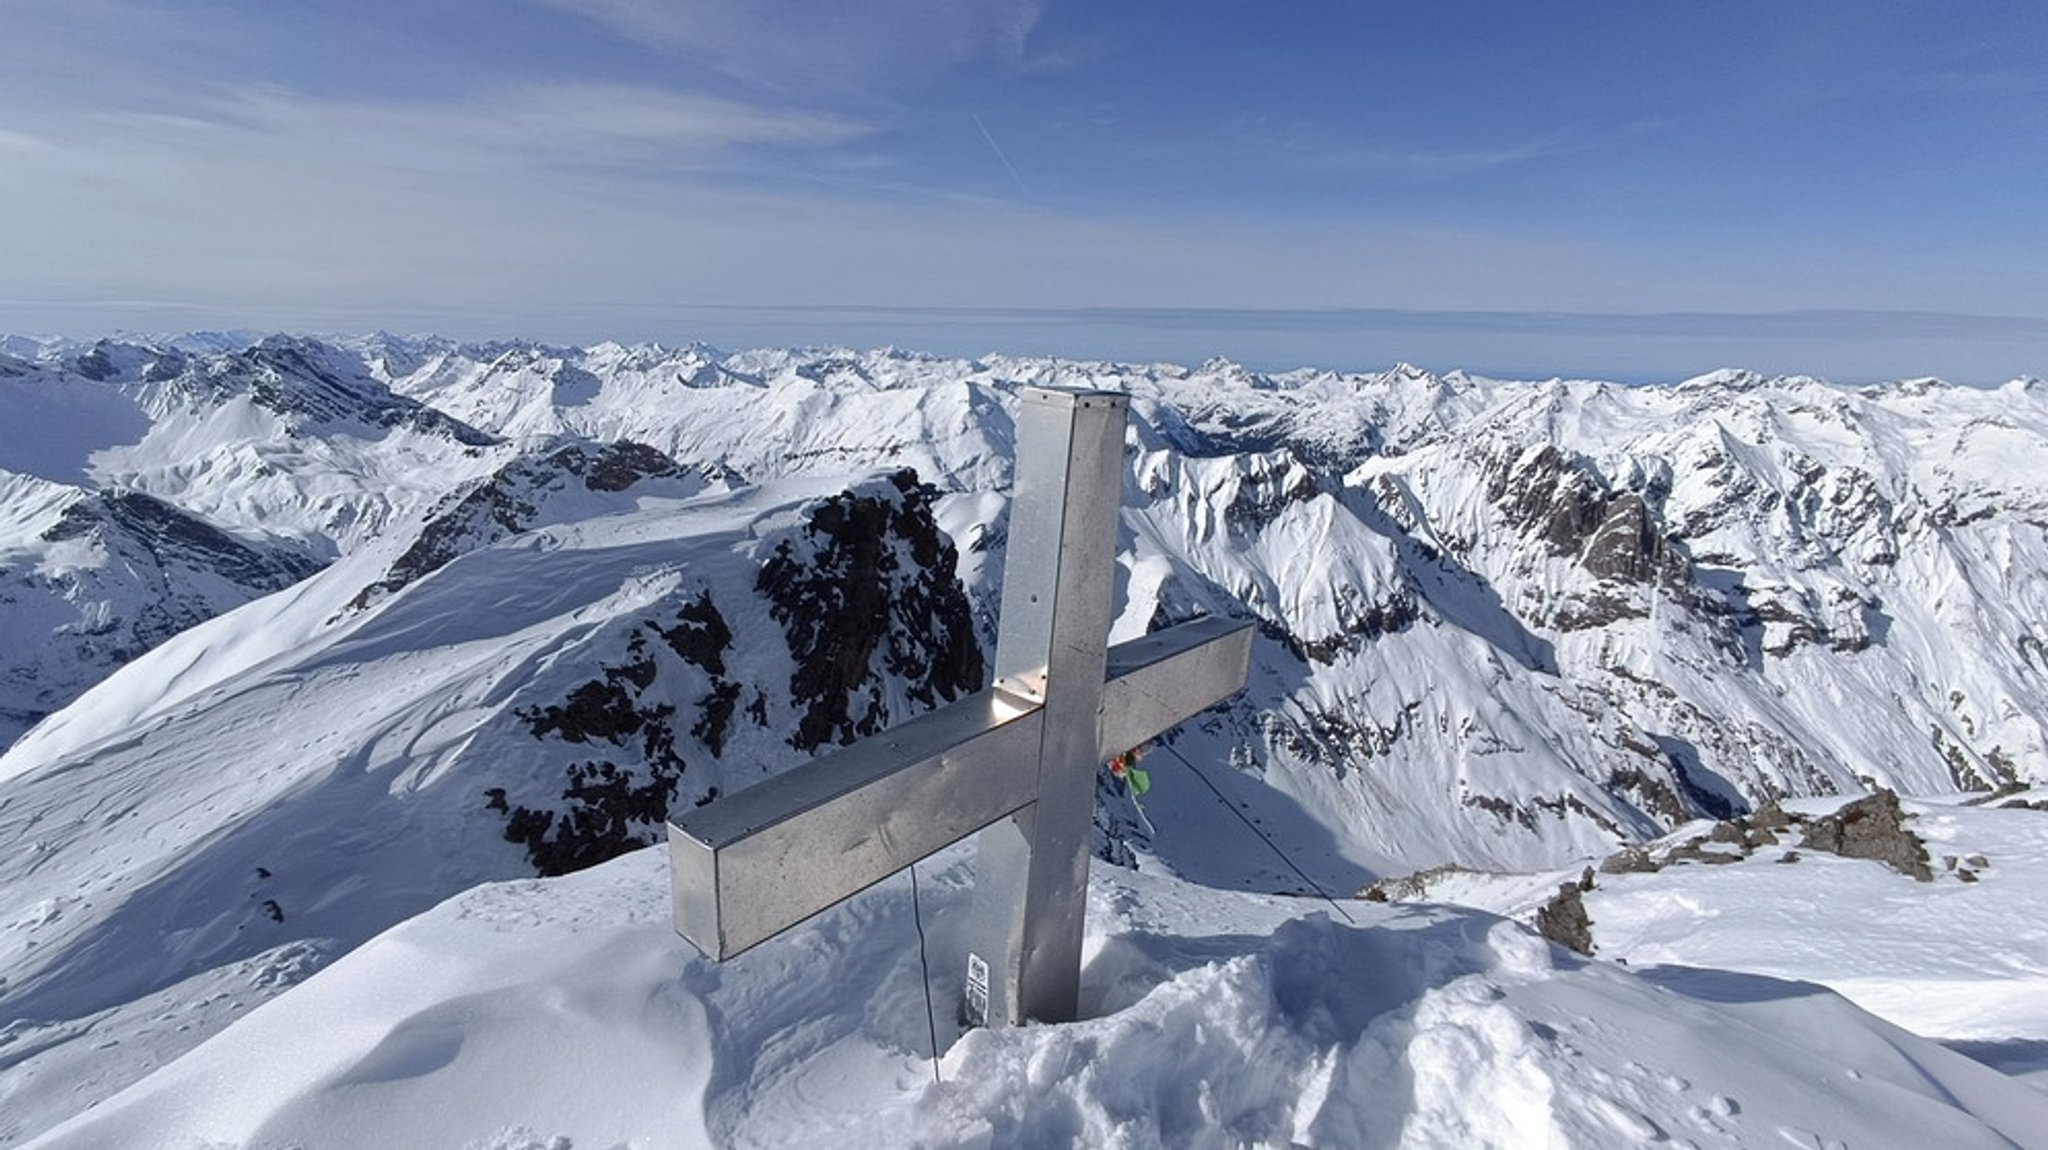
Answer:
(1016, 762)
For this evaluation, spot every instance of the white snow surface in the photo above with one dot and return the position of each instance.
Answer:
(1964, 959)
(565, 1013)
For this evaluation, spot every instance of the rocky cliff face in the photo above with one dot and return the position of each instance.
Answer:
(874, 627)
(871, 606)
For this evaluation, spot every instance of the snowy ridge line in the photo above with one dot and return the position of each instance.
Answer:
(1707, 592)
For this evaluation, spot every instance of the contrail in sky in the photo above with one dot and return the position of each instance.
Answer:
(998, 150)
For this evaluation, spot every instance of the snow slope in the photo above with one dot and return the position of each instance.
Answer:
(562, 1013)
(1964, 960)
(144, 489)
(307, 770)
(1960, 956)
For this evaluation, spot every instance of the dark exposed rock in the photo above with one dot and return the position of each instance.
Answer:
(1869, 828)
(1995, 772)
(1337, 739)
(1872, 827)
(1361, 621)
(607, 808)
(848, 600)
(867, 594)
(1269, 484)
(94, 365)
(1503, 810)
(1771, 816)
(1573, 805)
(1562, 502)
(700, 636)
(177, 571)
(1591, 610)
(1627, 545)
(1694, 850)
(1630, 860)
(619, 466)
(1401, 888)
(1648, 793)
(601, 709)
(1564, 921)
(1547, 495)
(715, 715)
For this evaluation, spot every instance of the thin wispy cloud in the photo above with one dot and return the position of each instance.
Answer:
(823, 48)
(1458, 163)
(12, 141)
(1976, 82)
(527, 128)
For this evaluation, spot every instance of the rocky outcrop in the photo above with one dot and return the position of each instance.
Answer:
(878, 628)
(618, 800)
(1872, 827)
(1564, 921)
(1360, 621)
(866, 593)
(1563, 505)
(1266, 485)
(1563, 501)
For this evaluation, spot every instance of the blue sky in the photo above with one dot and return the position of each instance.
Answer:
(1625, 190)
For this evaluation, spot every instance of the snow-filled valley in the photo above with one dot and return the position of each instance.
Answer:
(321, 651)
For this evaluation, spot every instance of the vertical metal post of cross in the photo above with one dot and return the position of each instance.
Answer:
(1031, 868)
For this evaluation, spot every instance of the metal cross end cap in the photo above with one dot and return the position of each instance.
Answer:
(1068, 398)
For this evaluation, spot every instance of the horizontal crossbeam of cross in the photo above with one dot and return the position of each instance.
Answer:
(749, 866)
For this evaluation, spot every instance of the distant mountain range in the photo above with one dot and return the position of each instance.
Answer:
(1505, 622)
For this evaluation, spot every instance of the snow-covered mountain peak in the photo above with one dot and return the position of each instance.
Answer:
(556, 484)
(313, 388)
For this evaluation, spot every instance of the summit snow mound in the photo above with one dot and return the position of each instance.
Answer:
(566, 1013)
